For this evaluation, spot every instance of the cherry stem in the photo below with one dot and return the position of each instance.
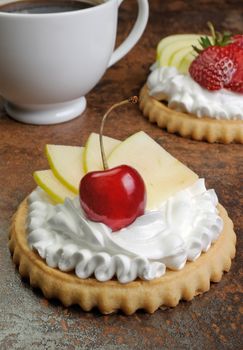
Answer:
(132, 100)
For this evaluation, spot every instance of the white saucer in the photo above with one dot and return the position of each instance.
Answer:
(46, 114)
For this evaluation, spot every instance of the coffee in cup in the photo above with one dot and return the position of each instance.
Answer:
(46, 6)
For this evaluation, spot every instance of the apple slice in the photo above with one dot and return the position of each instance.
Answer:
(172, 39)
(179, 56)
(163, 174)
(185, 63)
(52, 186)
(177, 51)
(66, 162)
(92, 156)
(170, 49)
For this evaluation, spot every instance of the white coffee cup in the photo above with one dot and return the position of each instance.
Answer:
(49, 62)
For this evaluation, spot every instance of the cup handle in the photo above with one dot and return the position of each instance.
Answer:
(135, 34)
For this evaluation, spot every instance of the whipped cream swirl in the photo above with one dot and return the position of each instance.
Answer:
(184, 226)
(185, 95)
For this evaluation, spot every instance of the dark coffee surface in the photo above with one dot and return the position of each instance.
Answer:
(45, 6)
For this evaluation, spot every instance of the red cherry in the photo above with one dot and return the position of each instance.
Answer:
(115, 196)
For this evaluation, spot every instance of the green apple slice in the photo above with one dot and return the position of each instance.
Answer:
(170, 49)
(52, 186)
(185, 62)
(66, 162)
(179, 56)
(176, 51)
(172, 39)
(92, 155)
(163, 174)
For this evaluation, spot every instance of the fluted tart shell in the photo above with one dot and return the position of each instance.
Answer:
(188, 125)
(111, 296)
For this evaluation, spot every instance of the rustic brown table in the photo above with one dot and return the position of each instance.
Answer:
(210, 321)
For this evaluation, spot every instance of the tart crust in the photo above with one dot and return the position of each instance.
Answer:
(111, 296)
(188, 125)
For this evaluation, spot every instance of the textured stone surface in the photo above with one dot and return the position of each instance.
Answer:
(212, 320)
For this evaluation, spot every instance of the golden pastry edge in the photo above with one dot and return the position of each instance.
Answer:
(112, 296)
(188, 125)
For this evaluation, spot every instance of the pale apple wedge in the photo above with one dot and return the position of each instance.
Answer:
(170, 49)
(92, 155)
(185, 63)
(66, 162)
(173, 39)
(163, 174)
(52, 186)
(177, 51)
(180, 56)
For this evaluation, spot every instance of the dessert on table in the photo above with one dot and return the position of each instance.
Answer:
(120, 225)
(195, 87)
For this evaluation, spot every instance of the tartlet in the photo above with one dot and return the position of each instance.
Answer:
(188, 125)
(112, 296)
(195, 87)
(182, 241)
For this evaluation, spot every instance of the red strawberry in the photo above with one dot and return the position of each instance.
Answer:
(238, 40)
(220, 61)
(236, 83)
(215, 66)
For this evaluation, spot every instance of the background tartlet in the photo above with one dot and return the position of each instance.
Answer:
(188, 125)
